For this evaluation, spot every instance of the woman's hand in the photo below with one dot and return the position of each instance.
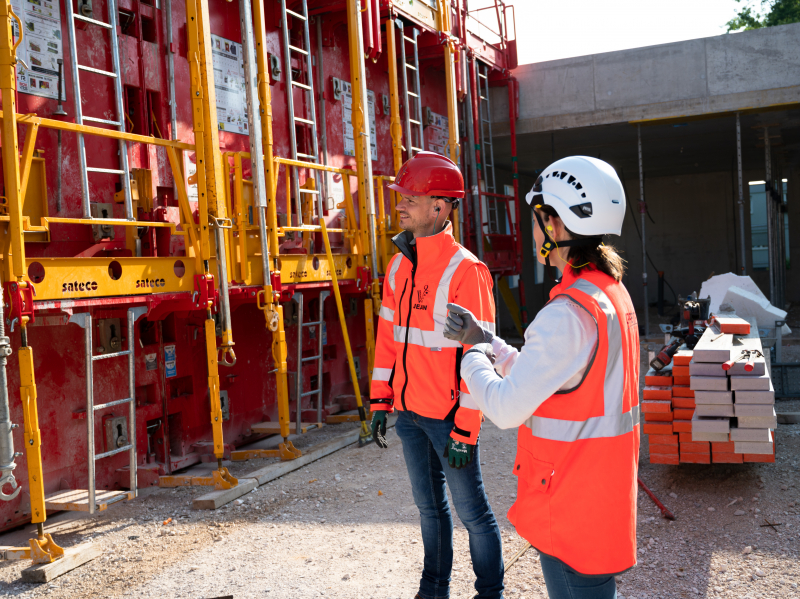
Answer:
(483, 348)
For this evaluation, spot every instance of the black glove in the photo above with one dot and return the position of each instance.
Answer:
(458, 454)
(379, 428)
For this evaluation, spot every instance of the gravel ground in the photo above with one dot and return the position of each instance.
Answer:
(346, 527)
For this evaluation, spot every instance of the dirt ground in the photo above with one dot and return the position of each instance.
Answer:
(346, 527)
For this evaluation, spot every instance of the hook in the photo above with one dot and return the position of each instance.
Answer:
(227, 350)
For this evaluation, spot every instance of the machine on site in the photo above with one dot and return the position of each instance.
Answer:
(197, 224)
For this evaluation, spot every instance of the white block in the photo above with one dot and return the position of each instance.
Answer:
(717, 286)
(715, 410)
(750, 447)
(708, 383)
(713, 397)
(746, 410)
(706, 369)
(760, 397)
(747, 304)
(713, 437)
(755, 435)
(751, 383)
(710, 425)
(758, 421)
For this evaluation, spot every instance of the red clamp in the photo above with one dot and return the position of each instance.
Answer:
(204, 296)
(19, 302)
(363, 278)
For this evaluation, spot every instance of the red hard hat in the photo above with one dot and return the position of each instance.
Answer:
(429, 174)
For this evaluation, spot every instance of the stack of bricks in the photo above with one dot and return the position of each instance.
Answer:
(688, 407)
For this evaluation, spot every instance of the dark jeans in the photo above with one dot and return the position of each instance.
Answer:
(424, 440)
(565, 583)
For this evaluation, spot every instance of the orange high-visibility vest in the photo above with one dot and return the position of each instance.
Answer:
(578, 454)
(416, 368)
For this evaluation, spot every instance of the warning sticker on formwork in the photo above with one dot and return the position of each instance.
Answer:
(170, 364)
(347, 121)
(41, 48)
(229, 85)
(437, 133)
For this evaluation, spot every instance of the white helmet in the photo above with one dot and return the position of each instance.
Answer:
(585, 192)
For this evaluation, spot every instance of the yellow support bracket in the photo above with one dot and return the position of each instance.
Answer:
(42, 551)
(220, 479)
(33, 437)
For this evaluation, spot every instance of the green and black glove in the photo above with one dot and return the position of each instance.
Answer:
(379, 428)
(458, 454)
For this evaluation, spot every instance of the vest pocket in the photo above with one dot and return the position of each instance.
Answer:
(532, 508)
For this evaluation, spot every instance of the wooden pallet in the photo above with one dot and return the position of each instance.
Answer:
(77, 500)
(274, 428)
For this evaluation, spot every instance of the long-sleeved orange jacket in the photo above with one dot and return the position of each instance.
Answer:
(416, 368)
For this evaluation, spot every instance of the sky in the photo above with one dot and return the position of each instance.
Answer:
(549, 30)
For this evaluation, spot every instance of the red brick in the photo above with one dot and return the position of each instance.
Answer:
(727, 458)
(685, 437)
(754, 457)
(681, 381)
(722, 447)
(682, 426)
(682, 358)
(659, 406)
(680, 371)
(663, 440)
(650, 417)
(732, 325)
(658, 380)
(696, 447)
(660, 458)
(682, 391)
(657, 428)
(696, 458)
(664, 449)
(657, 393)
(684, 403)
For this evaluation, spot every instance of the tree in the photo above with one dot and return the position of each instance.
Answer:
(773, 12)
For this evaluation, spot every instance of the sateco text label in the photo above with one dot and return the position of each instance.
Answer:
(150, 283)
(78, 286)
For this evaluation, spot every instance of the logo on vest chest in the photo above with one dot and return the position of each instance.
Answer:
(421, 295)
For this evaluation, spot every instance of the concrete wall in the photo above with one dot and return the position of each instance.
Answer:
(712, 75)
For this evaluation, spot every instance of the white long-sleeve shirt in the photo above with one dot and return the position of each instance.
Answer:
(559, 345)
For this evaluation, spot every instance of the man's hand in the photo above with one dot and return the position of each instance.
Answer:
(379, 428)
(458, 454)
(485, 349)
(462, 326)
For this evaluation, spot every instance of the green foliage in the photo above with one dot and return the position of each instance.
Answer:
(773, 12)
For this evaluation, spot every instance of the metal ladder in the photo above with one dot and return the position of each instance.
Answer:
(90, 500)
(308, 88)
(116, 75)
(487, 148)
(319, 323)
(411, 96)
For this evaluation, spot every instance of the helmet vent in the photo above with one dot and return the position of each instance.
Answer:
(564, 174)
(571, 179)
(578, 186)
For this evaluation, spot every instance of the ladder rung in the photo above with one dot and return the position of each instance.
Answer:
(306, 121)
(98, 71)
(307, 155)
(312, 324)
(108, 454)
(412, 149)
(110, 171)
(116, 354)
(409, 39)
(414, 122)
(307, 393)
(104, 121)
(118, 402)
(295, 15)
(303, 85)
(296, 49)
(411, 66)
(413, 94)
(92, 21)
(312, 359)
(311, 191)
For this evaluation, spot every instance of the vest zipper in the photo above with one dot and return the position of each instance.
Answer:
(408, 323)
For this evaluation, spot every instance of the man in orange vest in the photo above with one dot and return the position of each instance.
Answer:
(573, 389)
(417, 373)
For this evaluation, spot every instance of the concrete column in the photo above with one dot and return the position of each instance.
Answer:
(742, 243)
(643, 211)
(770, 219)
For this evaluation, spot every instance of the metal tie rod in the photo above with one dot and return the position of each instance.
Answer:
(97, 71)
(114, 355)
(118, 402)
(108, 454)
(295, 15)
(92, 21)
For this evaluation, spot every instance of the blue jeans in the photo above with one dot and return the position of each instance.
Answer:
(565, 583)
(424, 440)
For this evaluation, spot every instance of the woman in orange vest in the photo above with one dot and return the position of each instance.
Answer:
(572, 389)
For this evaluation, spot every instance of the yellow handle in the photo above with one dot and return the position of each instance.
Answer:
(19, 24)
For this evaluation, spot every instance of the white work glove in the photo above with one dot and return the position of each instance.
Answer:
(483, 348)
(462, 326)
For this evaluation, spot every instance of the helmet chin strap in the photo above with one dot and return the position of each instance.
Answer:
(548, 245)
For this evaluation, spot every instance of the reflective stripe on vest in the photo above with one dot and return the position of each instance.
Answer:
(387, 313)
(381, 374)
(393, 271)
(614, 421)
